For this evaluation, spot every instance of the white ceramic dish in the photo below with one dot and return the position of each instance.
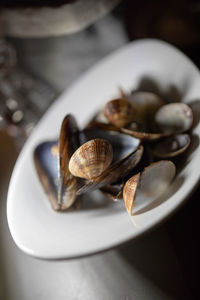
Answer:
(100, 225)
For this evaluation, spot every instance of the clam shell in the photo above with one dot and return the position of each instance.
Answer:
(115, 172)
(91, 159)
(131, 130)
(174, 118)
(171, 146)
(122, 144)
(129, 192)
(143, 189)
(149, 136)
(119, 112)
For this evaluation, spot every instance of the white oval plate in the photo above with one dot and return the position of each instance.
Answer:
(100, 225)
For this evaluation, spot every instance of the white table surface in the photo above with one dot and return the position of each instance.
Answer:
(148, 269)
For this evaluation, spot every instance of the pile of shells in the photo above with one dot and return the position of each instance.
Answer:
(117, 152)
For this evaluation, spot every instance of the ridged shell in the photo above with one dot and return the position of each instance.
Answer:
(129, 191)
(119, 112)
(91, 159)
(174, 118)
(142, 189)
(122, 144)
(115, 172)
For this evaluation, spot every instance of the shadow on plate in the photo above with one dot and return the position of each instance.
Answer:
(100, 203)
(171, 94)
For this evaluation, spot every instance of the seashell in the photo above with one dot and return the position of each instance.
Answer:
(149, 136)
(51, 161)
(171, 146)
(132, 130)
(122, 144)
(119, 112)
(91, 159)
(115, 172)
(129, 191)
(68, 143)
(144, 188)
(174, 118)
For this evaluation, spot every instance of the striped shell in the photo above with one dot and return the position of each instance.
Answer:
(91, 159)
(142, 189)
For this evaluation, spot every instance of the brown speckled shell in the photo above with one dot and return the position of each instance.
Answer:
(129, 191)
(91, 159)
(119, 112)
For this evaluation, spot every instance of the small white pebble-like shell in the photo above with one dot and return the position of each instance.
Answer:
(174, 118)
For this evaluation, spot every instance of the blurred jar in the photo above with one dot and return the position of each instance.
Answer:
(51, 17)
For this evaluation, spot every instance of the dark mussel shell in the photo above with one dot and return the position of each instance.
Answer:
(52, 166)
(68, 143)
(46, 164)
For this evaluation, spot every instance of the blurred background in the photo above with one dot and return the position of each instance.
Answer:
(44, 48)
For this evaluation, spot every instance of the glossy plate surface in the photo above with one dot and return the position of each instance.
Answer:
(101, 224)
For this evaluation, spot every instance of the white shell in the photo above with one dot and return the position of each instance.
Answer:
(174, 117)
(152, 182)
